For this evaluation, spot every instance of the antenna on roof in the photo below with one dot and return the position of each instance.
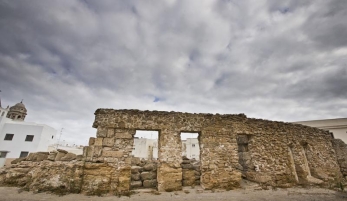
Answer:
(61, 132)
(22, 101)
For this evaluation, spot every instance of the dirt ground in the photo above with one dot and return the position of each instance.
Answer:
(191, 194)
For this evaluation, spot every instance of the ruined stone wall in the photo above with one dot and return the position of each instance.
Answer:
(279, 154)
(341, 154)
(231, 147)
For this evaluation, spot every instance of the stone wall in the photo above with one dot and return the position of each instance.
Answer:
(341, 154)
(231, 147)
(143, 173)
(60, 172)
(190, 172)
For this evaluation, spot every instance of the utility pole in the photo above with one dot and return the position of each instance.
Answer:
(61, 132)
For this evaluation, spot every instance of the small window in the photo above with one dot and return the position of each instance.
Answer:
(9, 137)
(3, 154)
(3, 113)
(52, 136)
(29, 138)
(193, 145)
(23, 154)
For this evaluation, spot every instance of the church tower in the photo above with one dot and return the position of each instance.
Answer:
(17, 112)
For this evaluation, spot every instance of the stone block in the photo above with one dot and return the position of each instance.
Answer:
(98, 141)
(59, 156)
(150, 183)
(52, 155)
(188, 174)
(108, 142)
(91, 141)
(115, 154)
(150, 167)
(169, 178)
(135, 161)
(123, 134)
(136, 169)
(62, 151)
(187, 166)
(135, 184)
(97, 151)
(188, 182)
(136, 177)
(148, 175)
(18, 160)
(79, 157)
(69, 157)
(110, 132)
(101, 132)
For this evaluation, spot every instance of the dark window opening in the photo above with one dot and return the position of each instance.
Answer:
(9, 137)
(52, 136)
(23, 154)
(29, 138)
(3, 154)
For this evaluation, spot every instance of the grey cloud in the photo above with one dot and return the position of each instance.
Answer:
(268, 59)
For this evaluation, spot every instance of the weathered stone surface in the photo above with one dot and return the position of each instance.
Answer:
(169, 179)
(15, 161)
(188, 177)
(52, 155)
(135, 184)
(59, 156)
(115, 154)
(69, 157)
(148, 176)
(62, 151)
(91, 141)
(150, 167)
(150, 183)
(37, 156)
(135, 161)
(108, 142)
(79, 157)
(136, 177)
(341, 153)
(136, 169)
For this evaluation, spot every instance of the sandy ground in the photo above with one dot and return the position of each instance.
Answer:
(245, 194)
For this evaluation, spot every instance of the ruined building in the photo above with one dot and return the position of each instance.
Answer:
(232, 147)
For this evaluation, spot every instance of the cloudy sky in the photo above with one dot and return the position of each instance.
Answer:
(277, 60)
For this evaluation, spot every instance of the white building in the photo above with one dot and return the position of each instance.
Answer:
(145, 148)
(190, 148)
(19, 138)
(148, 148)
(338, 127)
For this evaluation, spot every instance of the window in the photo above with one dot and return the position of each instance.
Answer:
(29, 138)
(193, 145)
(52, 136)
(9, 137)
(3, 154)
(3, 113)
(23, 154)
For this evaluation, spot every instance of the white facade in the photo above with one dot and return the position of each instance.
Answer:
(145, 148)
(190, 148)
(19, 138)
(148, 148)
(336, 126)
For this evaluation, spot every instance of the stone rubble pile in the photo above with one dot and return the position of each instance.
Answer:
(143, 173)
(190, 172)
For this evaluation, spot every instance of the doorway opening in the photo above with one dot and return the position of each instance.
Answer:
(144, 159)
(191, 171)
